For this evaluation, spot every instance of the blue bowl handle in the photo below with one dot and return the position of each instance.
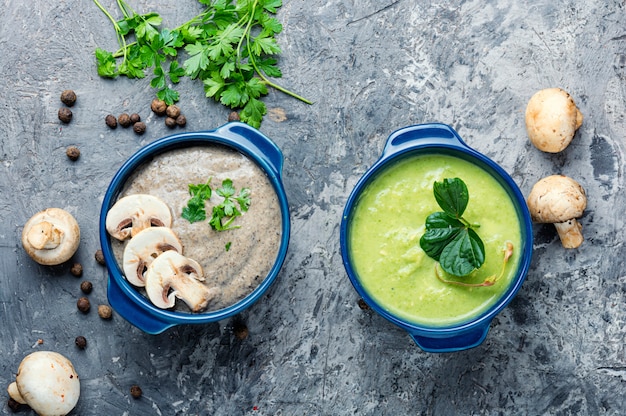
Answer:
(129, 310)
(457, 342)
(436, 134)
(250, 137)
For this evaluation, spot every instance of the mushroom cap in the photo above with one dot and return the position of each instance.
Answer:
(552, 119)
(51, 236)
(556, 199)
(133, 213)
(172, 275)
(48, 383)
(144, 247)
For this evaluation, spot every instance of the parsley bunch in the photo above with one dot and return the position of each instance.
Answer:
(230, 47)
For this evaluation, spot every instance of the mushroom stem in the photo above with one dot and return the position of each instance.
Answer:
(44, 236)
(14, 393)
(570, 233)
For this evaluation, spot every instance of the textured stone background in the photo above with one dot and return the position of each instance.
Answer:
(371, 67)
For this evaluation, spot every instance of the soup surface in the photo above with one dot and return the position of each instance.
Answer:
(252, 248)
(389, 220)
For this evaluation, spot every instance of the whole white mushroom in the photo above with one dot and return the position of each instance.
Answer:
(51, 236)
(47, 382)
(552, 119)
(559, 200)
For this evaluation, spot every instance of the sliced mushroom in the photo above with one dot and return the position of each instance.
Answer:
(144, 247)
(47, 382)
(559, 200)
(172, 275)
(552, 119)
(51, 236)
(133, 213)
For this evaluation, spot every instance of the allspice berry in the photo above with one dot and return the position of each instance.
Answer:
(81, 342)
(158, 106)
(134, 118)
(86, 287)
(111, 121)
(135, 391)
(99, 256)
(170, 122)
(172, 111)
(240, 330)
(68, 97)
(73, 153)
(83, 304)
(181, 120)
(139, 127)
(234, 116)
(105, 311)
(124, 120)
(76, 269)
(65, 115)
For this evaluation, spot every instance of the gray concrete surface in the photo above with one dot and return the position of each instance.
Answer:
(370, 67)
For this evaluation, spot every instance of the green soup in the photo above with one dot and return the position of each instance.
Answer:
(387, 223)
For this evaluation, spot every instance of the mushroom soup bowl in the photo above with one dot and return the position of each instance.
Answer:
(194, 227)
(384, 221)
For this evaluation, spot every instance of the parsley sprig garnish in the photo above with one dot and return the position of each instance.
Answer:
(233, 204)
(226, 212)
(450, 239)
(195, 211)
(230, 47)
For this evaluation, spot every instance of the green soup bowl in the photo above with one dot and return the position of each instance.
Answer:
(384, 220)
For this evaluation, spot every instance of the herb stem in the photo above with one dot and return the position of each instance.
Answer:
(121, 40)
(490, 280)
(265, 80)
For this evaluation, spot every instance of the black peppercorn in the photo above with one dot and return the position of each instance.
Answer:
(99, 256)
(110, 121)
(83, 304)
(65, 115)
(135, 391)
(81, 342)
(73, 153)
(134, 118)
(86, 287)
(158, 106)
(68, 97)
(76, 269)
(139, 127)
(181, 120)
(124, 120)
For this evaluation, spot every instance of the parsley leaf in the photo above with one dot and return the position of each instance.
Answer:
(230, 48)
(225, 213)
(195, 211)
(449, 238)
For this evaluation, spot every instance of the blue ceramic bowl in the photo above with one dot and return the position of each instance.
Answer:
(440, 139)
(130, 303)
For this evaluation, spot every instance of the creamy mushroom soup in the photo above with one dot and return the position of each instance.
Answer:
(237, 260)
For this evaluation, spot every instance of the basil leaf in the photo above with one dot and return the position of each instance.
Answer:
(441, 229)
(463, 254)
(452, 196)
(449, 238)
